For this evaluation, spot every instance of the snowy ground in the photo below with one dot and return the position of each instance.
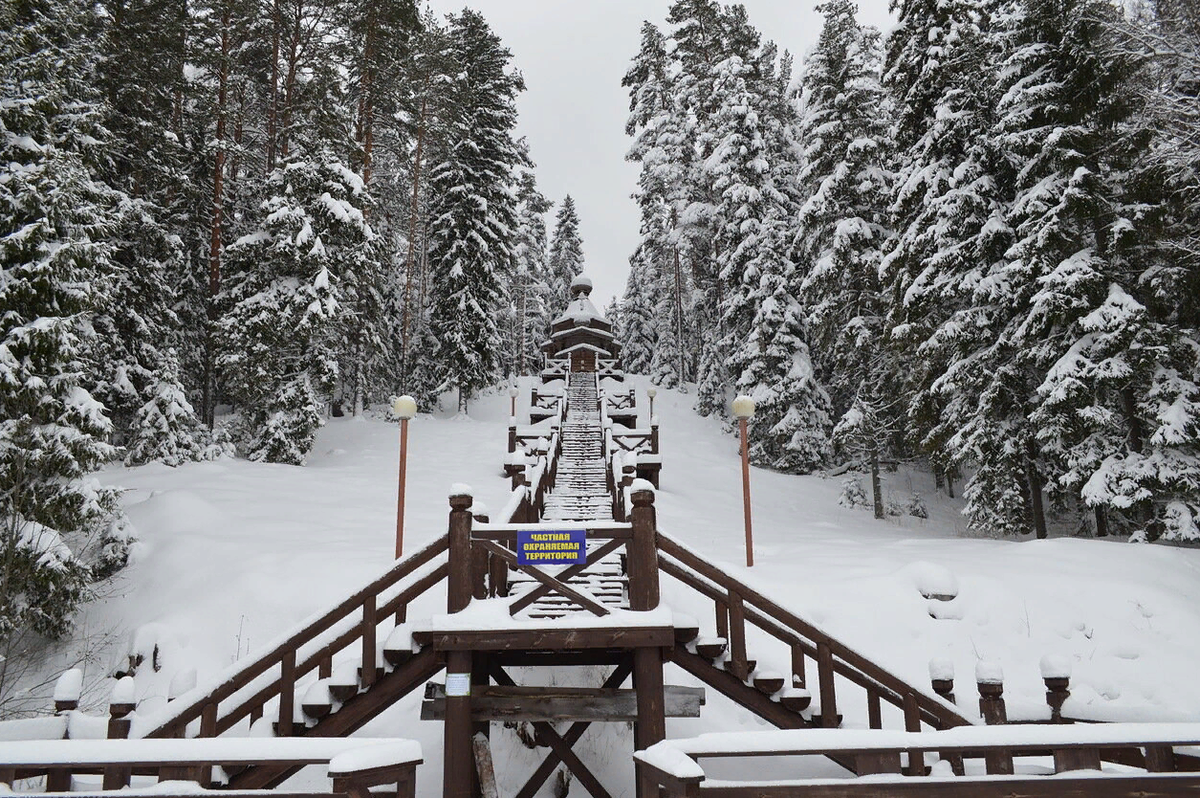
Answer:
(234, 553)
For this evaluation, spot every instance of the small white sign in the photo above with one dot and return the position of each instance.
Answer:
(458, 684)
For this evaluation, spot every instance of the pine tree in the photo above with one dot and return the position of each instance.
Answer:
(474, 214)
(566, 252)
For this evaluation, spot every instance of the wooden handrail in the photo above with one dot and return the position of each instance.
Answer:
(192, 706)
(787, 627)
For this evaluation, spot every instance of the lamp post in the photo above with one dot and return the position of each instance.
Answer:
(405, 409)
(743, 409)
(652, 392)
(512, 394)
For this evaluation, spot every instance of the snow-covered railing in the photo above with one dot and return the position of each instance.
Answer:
(274, 679)
(391, 761)
(738, 606)
(938, 763)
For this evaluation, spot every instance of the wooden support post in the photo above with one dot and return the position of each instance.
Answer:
(116, 777)
(325, 669)
(458, 591)
(945, 689)
(1057, 692)
(485, 771)
(512, 434)
(737, 638)
(798, 676)
(287, 693)
(1160, 759)
(654, 438)
(643, 553)
(874, 710)
(208, 728)
(651, 724)
(829, 717)
(991, 707)
(912, 723)
(479, 564)
(458, 770)
(370, 662)
(480, 679)
(1067, 759)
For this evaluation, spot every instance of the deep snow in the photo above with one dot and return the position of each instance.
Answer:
(233, 553)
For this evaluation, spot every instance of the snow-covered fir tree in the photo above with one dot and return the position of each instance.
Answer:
(842, 225)
(474, 213)
(566, 252)
(636, 328)
(55, 221)
(530, 291)
(286, 314)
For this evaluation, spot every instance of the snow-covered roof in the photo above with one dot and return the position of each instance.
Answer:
(581, 311)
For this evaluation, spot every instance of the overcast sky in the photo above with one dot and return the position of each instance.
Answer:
(573, 54)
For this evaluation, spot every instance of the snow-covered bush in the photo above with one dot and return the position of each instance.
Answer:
(853, 493)
(916, 506)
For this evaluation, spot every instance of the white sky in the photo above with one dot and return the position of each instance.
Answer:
(573, 54)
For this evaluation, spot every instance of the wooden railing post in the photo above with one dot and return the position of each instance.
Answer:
(912, 723)
(643, 549)
(827, 691)
(117, 777)
(737, 664)
(653, 436)
(458, 591)
(512, 435)
(1056, 673)
(370, 619)
(287, 691)
(798, 676)
(990, 679)
(480, 560)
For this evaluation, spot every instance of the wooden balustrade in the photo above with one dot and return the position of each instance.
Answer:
(737, 606)
(354, 621)
(674, 765)
(116, 761)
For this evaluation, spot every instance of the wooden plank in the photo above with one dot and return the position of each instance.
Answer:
(1140, 786)
(547, 639)
(484, 768)
(597, 704)
(1067, 759)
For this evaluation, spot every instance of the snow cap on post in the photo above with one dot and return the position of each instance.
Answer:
(1055, 666)
(941, 669)
(581, 285)
(641, 485)
(461, 489)
(989, 672)
(68, 688)
(743, 407)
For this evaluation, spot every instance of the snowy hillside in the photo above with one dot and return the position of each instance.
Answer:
(233, 554)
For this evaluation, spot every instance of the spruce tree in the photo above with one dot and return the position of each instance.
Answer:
(55, 219)
(531, 279)
(473, 217)
(566, 252)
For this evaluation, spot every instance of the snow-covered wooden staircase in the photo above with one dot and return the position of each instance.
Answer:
(580, 493)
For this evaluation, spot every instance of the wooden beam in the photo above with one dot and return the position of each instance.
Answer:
(558, 639)
(484, 767)
(556, 704)
(1137, 786)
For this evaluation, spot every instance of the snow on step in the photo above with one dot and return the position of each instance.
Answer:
(580, 494)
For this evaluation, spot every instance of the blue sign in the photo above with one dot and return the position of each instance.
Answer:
(551, 547)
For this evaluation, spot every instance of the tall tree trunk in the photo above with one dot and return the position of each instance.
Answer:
(679, 314)
(218, 209)
(414, 214)
(876, 485)
(273, 108)
(1035, 489)
(366, 106)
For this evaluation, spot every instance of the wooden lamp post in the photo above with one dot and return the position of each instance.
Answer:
(405, 409)
(652, 392)
(743, 410)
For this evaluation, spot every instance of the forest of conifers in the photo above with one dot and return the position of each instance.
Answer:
(974, 240)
